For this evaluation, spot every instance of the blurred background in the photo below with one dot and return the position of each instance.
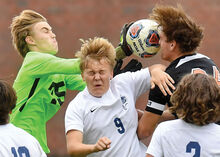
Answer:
(75, 19)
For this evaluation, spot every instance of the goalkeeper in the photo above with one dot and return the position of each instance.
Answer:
(43, 78)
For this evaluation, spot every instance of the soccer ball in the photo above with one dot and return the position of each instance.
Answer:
(143, 39)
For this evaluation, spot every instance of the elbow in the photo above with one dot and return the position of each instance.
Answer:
(72, 152)
(147, 124)
(143, 132)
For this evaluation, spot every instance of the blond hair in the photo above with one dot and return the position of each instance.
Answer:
(20, 28)
(97, 48)
(197, 99)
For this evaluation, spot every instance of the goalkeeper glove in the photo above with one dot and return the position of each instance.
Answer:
(123, 50)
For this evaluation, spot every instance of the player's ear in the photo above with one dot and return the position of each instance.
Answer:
(172, 45)
(29, 40)
(111, 76)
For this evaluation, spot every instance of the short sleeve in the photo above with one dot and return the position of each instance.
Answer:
(74, 117)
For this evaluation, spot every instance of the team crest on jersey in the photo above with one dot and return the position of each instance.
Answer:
(124, 102)
(135, 30)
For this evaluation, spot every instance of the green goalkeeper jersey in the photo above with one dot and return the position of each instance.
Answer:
(40, 86)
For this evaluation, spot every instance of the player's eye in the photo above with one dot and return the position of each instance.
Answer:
(45, 30)
(91, 73)
(102, 72)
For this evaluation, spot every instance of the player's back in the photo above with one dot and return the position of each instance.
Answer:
(16, 142)
(181, 139)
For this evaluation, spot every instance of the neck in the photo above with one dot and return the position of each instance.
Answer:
(180, 55)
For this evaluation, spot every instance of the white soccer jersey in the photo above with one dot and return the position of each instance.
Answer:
(176, 138)
(113, 115)
(15, 142)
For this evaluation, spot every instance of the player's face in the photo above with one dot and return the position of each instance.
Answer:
(43, 39)
(164, 47)
(97, 75)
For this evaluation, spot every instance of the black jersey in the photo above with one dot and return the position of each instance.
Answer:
(194, 63)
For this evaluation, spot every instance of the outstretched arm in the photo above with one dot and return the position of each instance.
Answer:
(75, 147)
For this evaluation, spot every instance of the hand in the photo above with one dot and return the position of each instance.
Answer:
(132, 66)
(123, 50)
(102, 144)
(161, 79)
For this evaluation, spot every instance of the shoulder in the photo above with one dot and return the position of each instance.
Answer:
(79, 102)
(194, 60)
(20, 132)
(188, 64)
(131, 76)
(214, 127)
(171, 125)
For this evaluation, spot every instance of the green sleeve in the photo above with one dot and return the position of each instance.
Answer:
(37, 64)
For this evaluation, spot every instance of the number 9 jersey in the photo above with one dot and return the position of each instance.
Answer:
(113, 115)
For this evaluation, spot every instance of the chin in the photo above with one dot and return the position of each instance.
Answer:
(98, 94)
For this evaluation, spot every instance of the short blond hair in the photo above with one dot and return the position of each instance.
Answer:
(97, 48)
(20, 28)
(197, 99)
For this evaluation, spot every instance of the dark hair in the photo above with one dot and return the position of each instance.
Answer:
(7, 101)
(178, 26)
(197, 99)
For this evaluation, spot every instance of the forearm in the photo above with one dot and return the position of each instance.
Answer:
(80, 150)
(75, 145)
(157, 66)
(147, 124)
(46, 64)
